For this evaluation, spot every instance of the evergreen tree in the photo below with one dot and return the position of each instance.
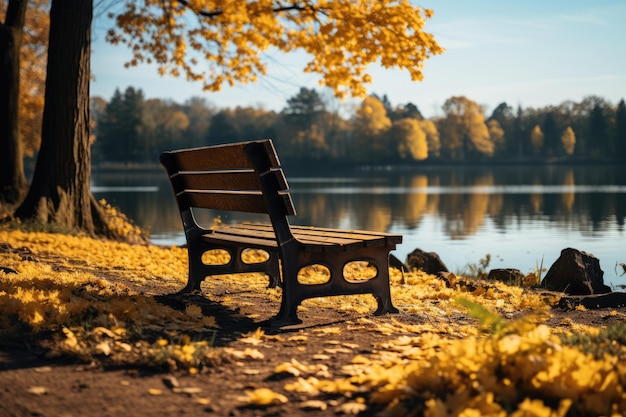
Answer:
(520, 139)
(551, 144)
(598, 133)
(408, 111)
(121, 132)
(303, 108)
(222, 128)
(620, 131)
(301, 131)
(503, 114)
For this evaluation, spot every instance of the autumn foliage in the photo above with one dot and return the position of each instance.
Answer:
(222, 42)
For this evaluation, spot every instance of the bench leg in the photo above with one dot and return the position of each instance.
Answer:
(287, 316)
(288, 313)
(194, 277)
(383, 295)
(294, 292)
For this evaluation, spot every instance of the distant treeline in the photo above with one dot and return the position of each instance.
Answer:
(131, 129)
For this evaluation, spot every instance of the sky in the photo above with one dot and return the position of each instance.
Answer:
(530, 53)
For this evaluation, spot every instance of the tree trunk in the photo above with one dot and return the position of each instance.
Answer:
(60, 189)
(12, 179)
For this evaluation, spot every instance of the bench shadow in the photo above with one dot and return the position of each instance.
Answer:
(231, 324)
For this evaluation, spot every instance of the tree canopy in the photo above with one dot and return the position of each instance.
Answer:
(223, 41)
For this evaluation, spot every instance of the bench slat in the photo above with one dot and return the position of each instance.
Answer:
(338, 239)
(244, 202)
(211, 157)
(223, 179)
(216, 180)
(310, 237)
(301, 231)
(246, 240)
(352, 234)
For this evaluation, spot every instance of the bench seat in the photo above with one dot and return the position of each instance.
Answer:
(262, 236)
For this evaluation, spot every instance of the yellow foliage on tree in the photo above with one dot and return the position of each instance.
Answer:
(568, 140)
(371, 116)
(465, 128)
(536, 138)
(478, 134)
(496, 133)
(432, 137)
(371, 123)
(411, 139)
(342, 37)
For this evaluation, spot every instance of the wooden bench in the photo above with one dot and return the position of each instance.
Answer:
(247, 177)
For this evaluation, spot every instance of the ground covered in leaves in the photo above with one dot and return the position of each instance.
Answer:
(91, 327)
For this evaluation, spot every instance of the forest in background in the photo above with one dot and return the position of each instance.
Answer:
(132, 129)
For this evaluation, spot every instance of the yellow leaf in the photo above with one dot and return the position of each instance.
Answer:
(352, 408)
(70, 340)
(38, 390)
(329, 330)
(104, 347)
(314, 405)
(265, 397)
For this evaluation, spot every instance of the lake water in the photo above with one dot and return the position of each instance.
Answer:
(522, 216)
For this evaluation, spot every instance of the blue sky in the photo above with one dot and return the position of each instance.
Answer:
(531, 53)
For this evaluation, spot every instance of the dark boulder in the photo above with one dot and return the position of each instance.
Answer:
(509, 276)
(394, 262)
(576, 273)
(428, 262)
(591, 302)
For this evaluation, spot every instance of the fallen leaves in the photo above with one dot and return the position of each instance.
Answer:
(296, 368)
(436, 364)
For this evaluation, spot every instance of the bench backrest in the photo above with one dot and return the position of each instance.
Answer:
(244, 176)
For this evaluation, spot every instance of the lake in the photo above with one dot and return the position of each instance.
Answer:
(522, 216)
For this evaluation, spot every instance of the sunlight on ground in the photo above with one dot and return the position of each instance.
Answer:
(74, 289)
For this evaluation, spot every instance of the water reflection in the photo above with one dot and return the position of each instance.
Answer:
(517, 207)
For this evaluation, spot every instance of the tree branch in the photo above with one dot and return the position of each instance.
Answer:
(211, 14)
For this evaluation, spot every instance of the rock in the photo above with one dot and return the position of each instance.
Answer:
(394, 262)
(590, 302)
(428, 262)
(576, 273)
(7, 270)
(509, 276)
